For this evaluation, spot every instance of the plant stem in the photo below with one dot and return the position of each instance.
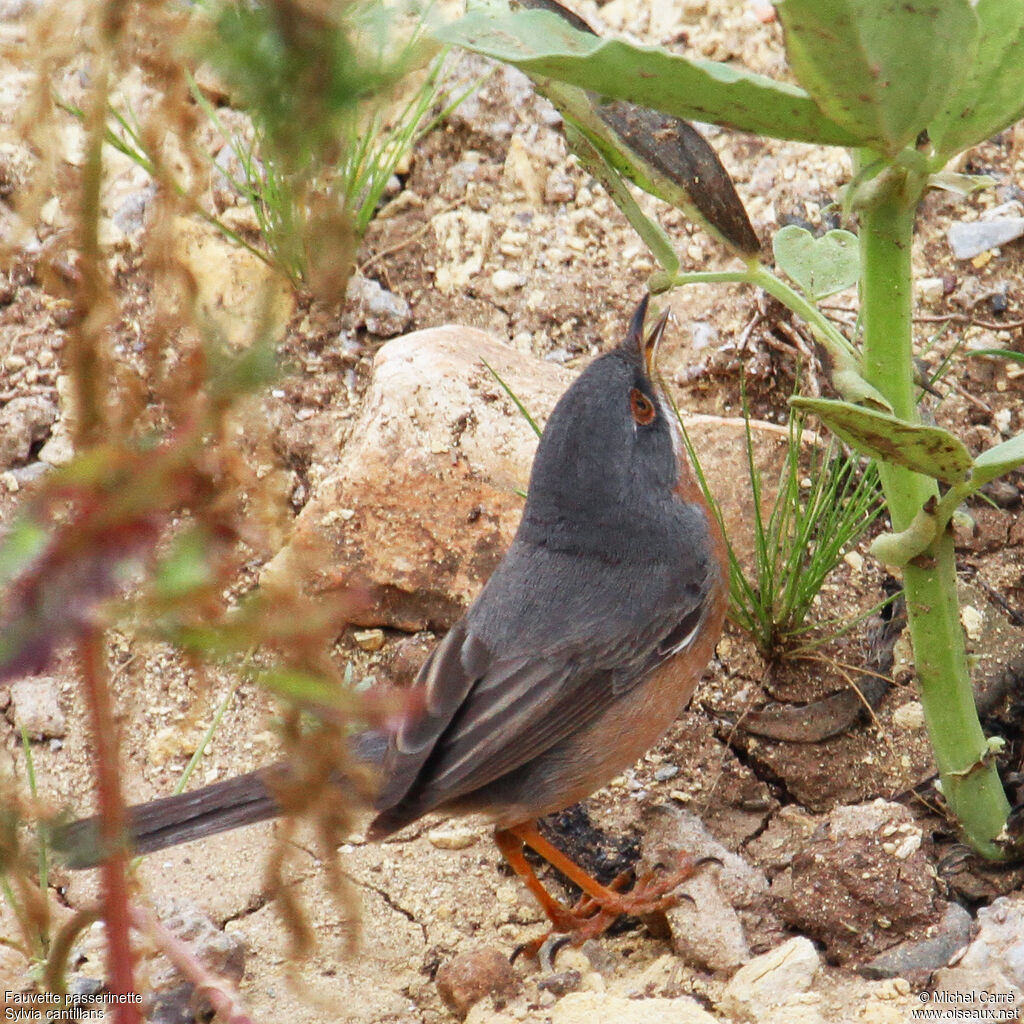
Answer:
(970, 781)
(114, 881)
(759, 275)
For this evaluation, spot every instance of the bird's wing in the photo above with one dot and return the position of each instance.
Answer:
(486, 714)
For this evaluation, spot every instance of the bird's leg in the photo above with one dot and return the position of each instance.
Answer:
(511, 847)
(649, 895)
(599, 905)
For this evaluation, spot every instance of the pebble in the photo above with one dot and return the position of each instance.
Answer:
(993, 964)
(948, 937)
(452, 837)
(561, 982)
(35, 707)
(369, 639)
(384, 313)
(970, 239)
(468, 977)
(24, 420)
(909, 715)
(973, 621)
(771, 979)
(507, 280)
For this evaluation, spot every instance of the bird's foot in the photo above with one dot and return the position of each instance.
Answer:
(592, 915)
(650, 894)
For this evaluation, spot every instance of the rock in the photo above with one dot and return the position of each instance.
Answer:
(35, 707)
(523, 173)
(130, 215)
(923, 956)
(559, 188)
(453, 836)
(174, 997)
(431, 470)
(861, 883)
(469, 977)
(428, 476)
(990, 974)
(707, 929)
(599, 1008)
(771, 980)
(369, 639)
(384, 313)
(24, 475)
(968, 240)
(507, 280)
(24, 421)
(561, 982)
(240, 294)
(12, 10)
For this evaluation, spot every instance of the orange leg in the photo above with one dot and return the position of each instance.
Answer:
(511, 847)
(600, 905)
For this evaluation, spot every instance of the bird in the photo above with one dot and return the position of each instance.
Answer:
(582, 648)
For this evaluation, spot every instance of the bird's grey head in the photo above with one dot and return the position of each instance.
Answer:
(609, 453)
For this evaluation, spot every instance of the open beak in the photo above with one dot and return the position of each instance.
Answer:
(647, 344)
(652, 341)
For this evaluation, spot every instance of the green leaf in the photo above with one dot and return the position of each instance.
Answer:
(24, 543)
(1001, 353)
(186, 567)
(928, 450)
(961, 184)
(820, 266)
(998, 460)
(299, 686)
(993, 95)
(544, 45)
(882, 69)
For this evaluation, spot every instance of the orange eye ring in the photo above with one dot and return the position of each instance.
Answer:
(641, 407)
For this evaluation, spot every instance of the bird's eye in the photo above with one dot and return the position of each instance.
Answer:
(641, 407)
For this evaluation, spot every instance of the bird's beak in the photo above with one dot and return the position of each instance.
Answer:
(650, 347)
(647, 345)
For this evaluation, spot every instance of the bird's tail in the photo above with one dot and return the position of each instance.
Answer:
(219, 807)
(242, 800)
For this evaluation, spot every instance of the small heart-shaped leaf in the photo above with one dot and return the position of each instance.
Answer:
(820, 266)
(928, 450)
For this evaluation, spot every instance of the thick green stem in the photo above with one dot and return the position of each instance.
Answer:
(969, 779)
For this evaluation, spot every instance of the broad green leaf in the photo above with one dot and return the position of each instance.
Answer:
(820, 266)
(993, 95)
(998, 460)
(880, 68)
(928, 450)
(544, 45)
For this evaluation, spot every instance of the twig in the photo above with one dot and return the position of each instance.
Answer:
(415, 236)
(120, 960)
(223, 999)
(963, 318)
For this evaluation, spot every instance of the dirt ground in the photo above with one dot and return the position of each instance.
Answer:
(490, 192)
